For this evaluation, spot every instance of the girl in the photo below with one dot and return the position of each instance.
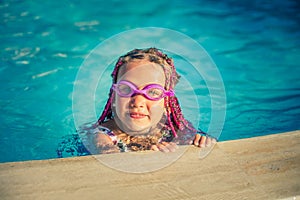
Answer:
(142, 112)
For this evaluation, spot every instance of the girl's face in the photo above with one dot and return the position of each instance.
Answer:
(136, 114)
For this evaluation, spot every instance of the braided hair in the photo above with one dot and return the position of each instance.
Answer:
(174, 116)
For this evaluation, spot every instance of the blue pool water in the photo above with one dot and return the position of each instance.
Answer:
(255, 44)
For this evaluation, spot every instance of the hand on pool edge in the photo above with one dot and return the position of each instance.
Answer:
(203, 141)
(165, 147)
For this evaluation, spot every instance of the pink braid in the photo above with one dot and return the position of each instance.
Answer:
(107, 112)
(174, 108)
(170, 123)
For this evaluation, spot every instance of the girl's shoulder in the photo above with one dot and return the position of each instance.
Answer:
(94, 128)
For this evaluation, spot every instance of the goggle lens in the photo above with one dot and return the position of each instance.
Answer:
(151, 91)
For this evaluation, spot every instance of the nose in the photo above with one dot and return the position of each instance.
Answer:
(138, 101)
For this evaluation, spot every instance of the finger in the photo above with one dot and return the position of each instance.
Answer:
(202, 141)
(174, 145)
(197, 139)
(208, 142)
(171, 146)
(213, 141)
(154, 148)
(163, 148)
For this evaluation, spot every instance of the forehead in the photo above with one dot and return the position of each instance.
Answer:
(142, 72)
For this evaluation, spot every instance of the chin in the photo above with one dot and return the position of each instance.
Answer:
(138, 130)
(134, 129)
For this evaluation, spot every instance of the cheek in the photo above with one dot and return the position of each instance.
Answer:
(157, 108)
(121, 105)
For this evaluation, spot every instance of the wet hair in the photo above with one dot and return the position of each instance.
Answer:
(175, 119)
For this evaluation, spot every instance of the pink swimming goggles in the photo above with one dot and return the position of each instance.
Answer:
(152, 92)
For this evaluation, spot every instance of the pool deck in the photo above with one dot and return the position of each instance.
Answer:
(266, 167)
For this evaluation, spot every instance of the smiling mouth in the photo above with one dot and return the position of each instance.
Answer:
(137, 115)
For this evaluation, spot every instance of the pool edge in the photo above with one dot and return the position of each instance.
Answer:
(265, 167)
